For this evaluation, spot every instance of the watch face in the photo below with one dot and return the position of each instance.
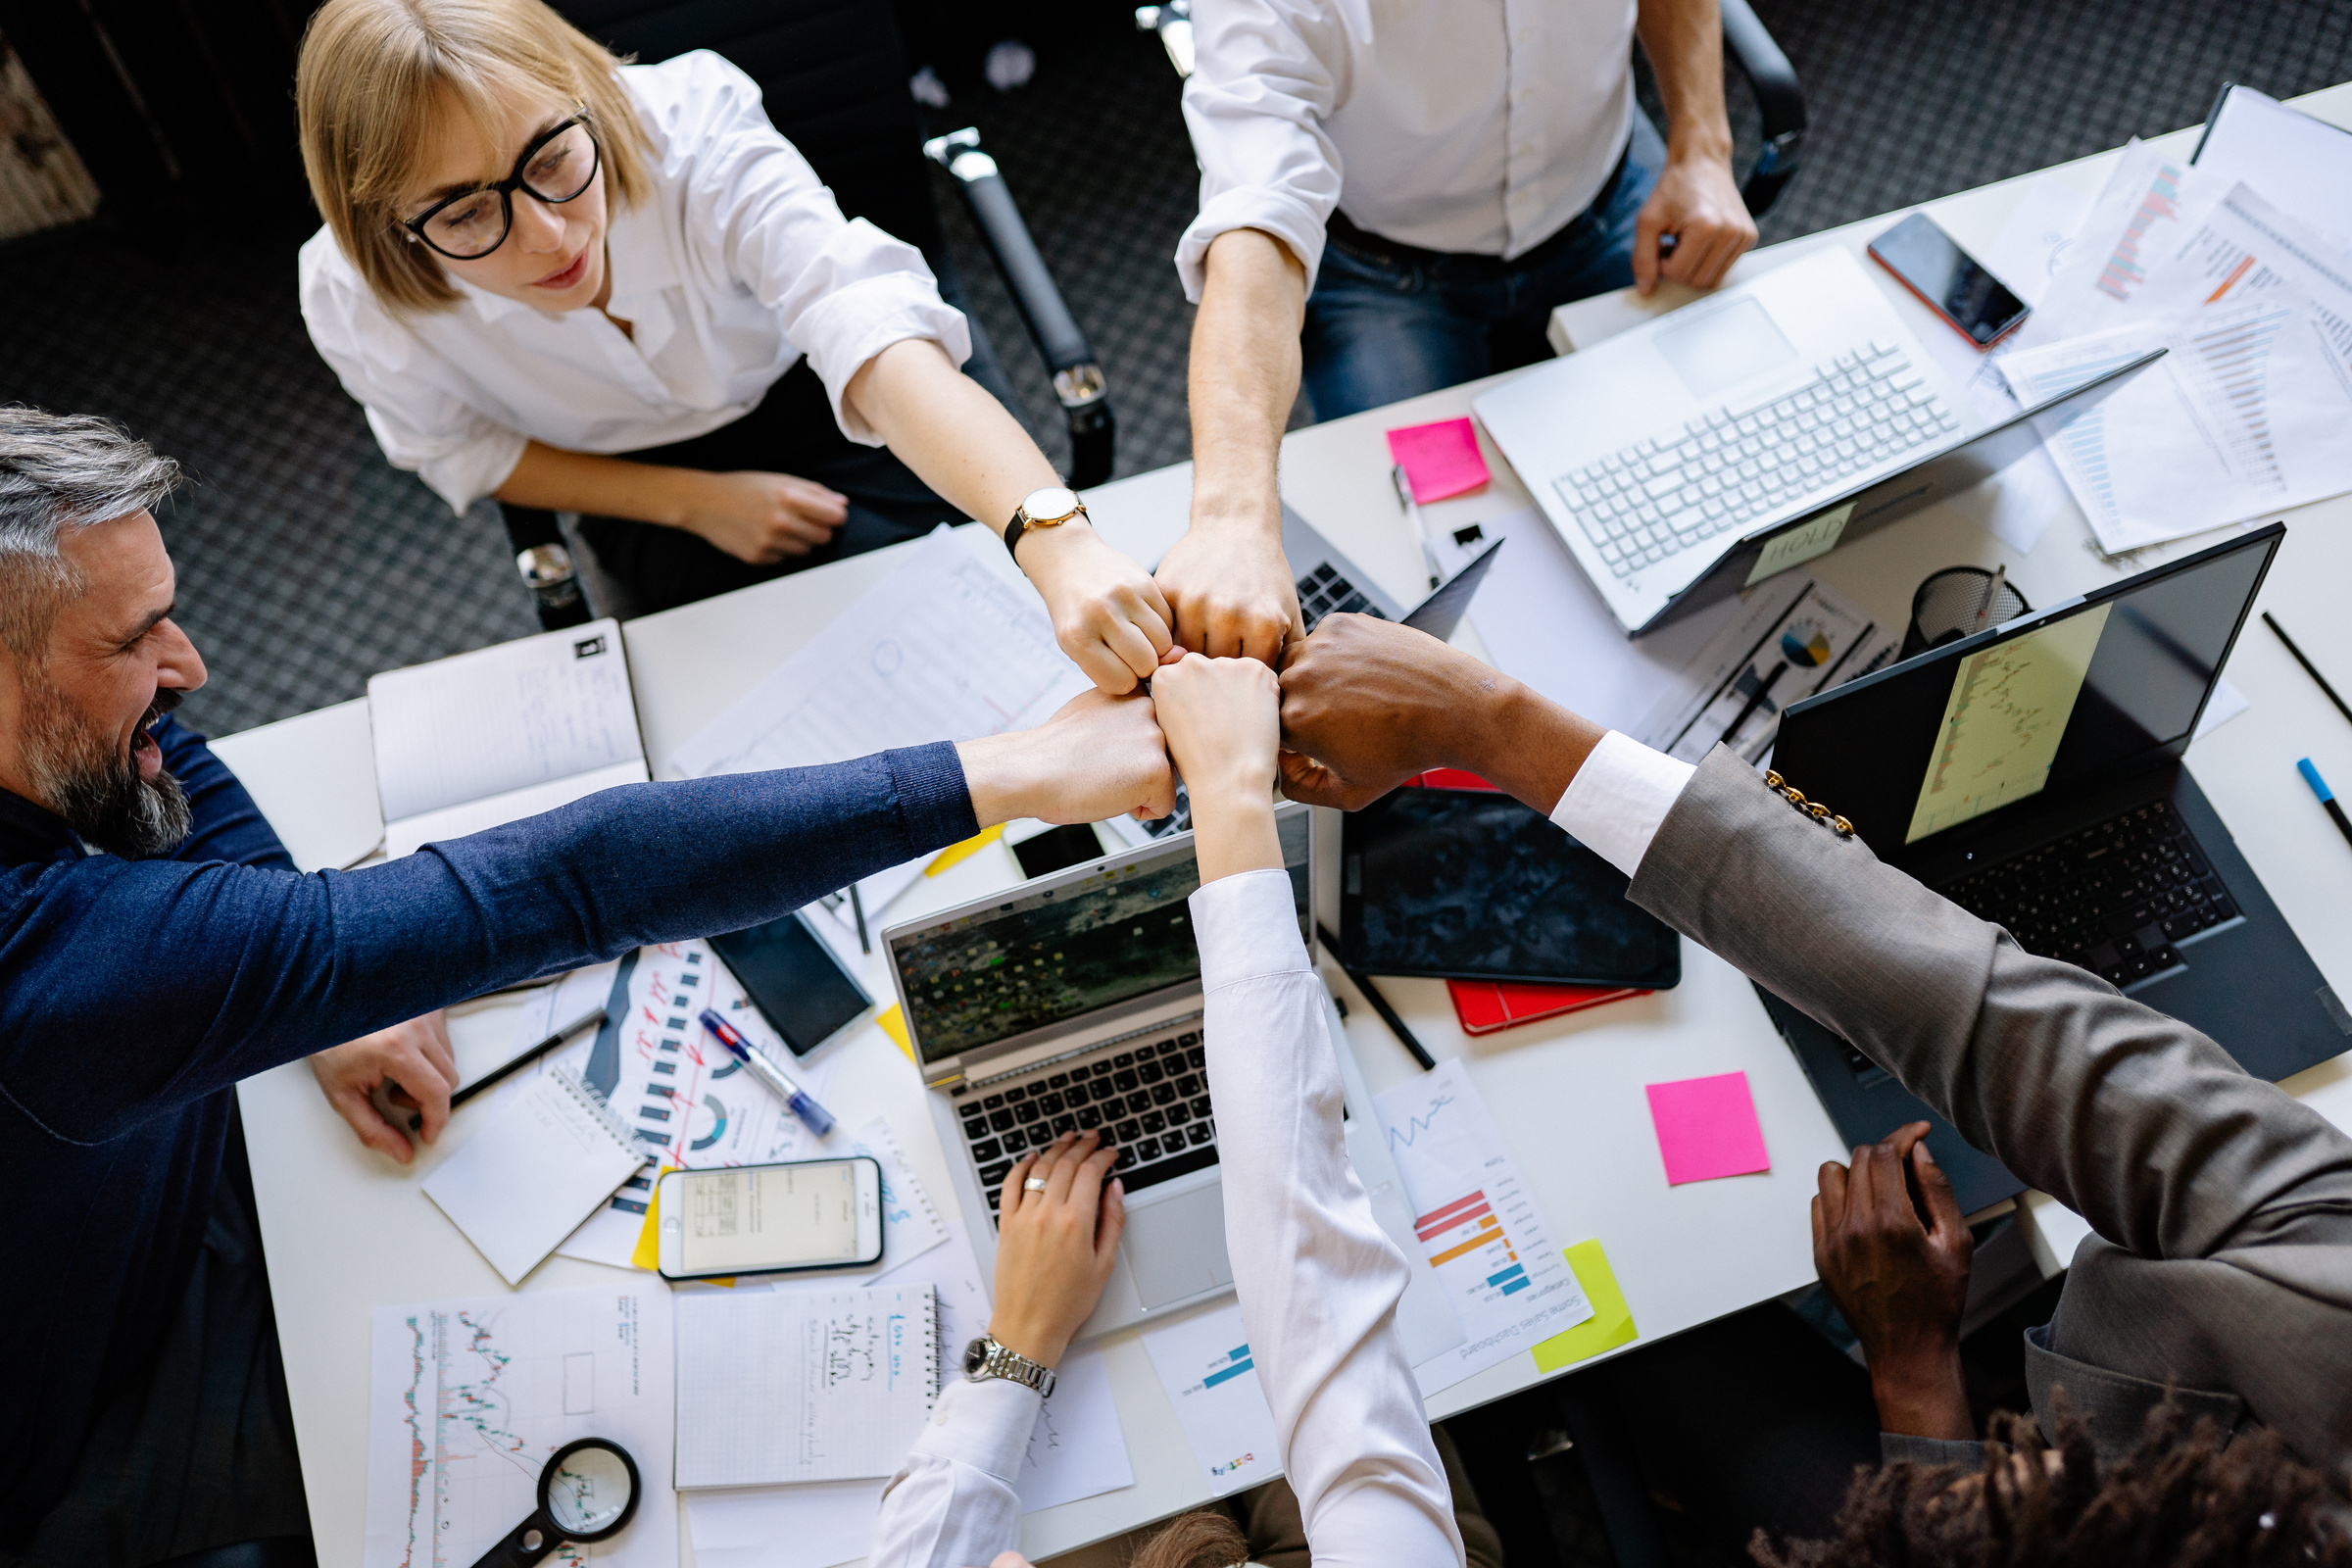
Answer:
(1053, 504)
(975, 1356)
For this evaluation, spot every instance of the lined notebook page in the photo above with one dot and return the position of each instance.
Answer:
(549, 1156)
(777, 1387)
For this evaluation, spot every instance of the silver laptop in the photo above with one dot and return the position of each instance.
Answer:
(1072, 1002)
(1655, 452)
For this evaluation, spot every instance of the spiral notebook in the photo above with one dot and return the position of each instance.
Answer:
(790, 1386)
(549, 1156)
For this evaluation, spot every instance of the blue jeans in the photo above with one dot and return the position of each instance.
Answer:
(1389, 320)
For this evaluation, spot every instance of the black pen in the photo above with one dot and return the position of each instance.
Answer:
(1380, 1003)
(2308, 668)
(585, 1020)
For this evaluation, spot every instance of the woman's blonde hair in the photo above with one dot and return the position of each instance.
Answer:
(374, 83)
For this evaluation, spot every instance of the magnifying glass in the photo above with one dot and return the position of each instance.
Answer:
(587, 1492)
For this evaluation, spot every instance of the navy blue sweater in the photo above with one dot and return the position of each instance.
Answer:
(134, 993)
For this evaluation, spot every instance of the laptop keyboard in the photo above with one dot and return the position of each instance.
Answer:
(2112, 897)
(1729, 466)
(1325, 592)
(1149, 1097)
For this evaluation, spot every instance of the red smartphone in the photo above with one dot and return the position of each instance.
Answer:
(1949, 281)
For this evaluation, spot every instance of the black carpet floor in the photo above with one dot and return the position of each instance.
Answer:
(306, 562)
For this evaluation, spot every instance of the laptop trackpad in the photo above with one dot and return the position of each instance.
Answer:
(1719, 347)
(1177, 1248)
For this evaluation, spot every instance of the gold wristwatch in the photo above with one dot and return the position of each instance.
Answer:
(1049, 507)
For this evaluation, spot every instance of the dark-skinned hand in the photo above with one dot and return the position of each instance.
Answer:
(1889, 1243)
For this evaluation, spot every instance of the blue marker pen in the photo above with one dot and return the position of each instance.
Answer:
(2319, 787)
(818, 1118)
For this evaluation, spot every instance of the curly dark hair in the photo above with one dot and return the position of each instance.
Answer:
(2179, 1499)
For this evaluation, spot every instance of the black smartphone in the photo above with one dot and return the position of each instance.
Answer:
(1949, 281)
(792, 978)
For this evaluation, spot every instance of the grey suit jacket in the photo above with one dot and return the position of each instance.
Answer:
(2221, 1266)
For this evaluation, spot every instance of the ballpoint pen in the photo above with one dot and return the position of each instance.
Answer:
(400, 1115)
(1412, 513)
(2319, 787)
(796, 1098)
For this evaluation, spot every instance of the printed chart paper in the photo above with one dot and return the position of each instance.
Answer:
(1204, 1362)
(1477, 1225)
(466, 1400)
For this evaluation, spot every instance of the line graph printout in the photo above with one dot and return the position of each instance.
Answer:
(1477, 1225)
(466, 1400)
(2003, 722)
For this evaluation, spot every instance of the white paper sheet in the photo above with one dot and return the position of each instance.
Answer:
(496, 810)
(911, 1222)
(1478, 1224)
(502, 718)
(2299, 164)
(1542, 623)
(466, 1400)
(675, 1088)
(1078, 1450)
(1204, 1365)
(1795, 638)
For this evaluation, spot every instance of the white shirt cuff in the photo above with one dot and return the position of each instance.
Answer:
(1247, 928)
(984, 1424)
(1615, 803)
(1289, 218)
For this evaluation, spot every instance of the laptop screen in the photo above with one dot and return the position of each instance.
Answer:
(1044, 959)
(2076, 696)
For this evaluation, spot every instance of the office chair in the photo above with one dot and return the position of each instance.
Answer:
(1779, 103)
(833, 76)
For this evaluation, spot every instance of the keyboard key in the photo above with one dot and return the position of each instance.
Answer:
(1151, 1071)
(1015, 1140)
(1199, 1133)
(1064, 1123)
(1148, 1149)
(988, 1151)
(1003, 1120)
(1126, 1132)
(1139, 1101)
(1154, 1122)
(991, 1175)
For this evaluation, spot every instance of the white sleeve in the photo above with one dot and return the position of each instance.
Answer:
(1265, 75)
(1318, 1279)
(951, 1504)
(407, 389)
(1615, 803)
(845, 290)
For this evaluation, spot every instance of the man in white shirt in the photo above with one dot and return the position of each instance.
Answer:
(1395, 197)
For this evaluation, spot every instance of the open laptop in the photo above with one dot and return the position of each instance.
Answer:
(1074, 1001)
(2033, 774)
(1747, 434)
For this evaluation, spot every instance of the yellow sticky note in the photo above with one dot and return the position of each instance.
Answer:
(893, 1020)
(964, 851)
(649, 1241)
(1611, 1323)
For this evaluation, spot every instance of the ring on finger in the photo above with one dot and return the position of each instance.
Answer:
(1035, 1184)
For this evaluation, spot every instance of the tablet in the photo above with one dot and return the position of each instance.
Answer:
(1471, 885)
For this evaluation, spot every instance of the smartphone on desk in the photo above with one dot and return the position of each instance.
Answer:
(1949, 281)
(795, 980)
(769, 1220)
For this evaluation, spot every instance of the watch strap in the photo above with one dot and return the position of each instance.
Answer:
(1012, 1367)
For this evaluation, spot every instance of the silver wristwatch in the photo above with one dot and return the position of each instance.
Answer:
(985, 1358)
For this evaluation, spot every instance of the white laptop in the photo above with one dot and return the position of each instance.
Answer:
(1074, 1001)
(1741, 435)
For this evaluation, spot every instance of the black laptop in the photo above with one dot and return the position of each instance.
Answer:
(2033, 774)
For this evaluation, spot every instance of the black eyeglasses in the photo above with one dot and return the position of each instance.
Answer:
(556, 168)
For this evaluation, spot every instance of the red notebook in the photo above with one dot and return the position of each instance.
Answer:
(1486, 1006)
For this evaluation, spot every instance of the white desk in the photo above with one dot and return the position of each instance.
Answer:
(345, 1231)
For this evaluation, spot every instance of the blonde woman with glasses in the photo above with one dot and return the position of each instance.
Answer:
(586, 286)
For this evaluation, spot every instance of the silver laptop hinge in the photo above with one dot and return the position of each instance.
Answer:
(1087, 1050)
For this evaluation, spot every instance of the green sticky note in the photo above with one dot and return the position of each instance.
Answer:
(1611, 1323)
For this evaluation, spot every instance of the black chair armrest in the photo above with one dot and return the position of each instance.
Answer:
(1781, 103)
(545, 561)
(1077, 376)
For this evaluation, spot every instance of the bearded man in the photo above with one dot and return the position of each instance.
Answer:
(157, 945)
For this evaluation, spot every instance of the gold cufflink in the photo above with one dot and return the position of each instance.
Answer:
(1812, 808)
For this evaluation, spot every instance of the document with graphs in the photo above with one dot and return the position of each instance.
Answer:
(791, 1386)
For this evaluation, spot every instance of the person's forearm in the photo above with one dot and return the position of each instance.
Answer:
(556, 480)
(1243, 377)
(1684, 40)
(1921, 1392)
(945, 425)
(1522, 743)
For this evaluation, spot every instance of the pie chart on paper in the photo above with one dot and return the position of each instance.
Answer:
(1805, 645)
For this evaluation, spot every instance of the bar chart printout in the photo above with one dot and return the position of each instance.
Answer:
(467, 1399)
(2003, 722)
(1477, 1225)
(1204, 1365)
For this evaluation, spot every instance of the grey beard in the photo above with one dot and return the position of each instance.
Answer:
(100, 794)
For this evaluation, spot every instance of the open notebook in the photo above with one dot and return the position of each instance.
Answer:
(791, 1386)
(550, 1157)
(504, 732)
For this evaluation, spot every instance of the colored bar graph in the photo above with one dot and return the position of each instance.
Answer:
(1241, 1365)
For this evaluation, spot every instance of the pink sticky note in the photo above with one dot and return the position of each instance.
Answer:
(1707, 1128)
(1440, 459)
